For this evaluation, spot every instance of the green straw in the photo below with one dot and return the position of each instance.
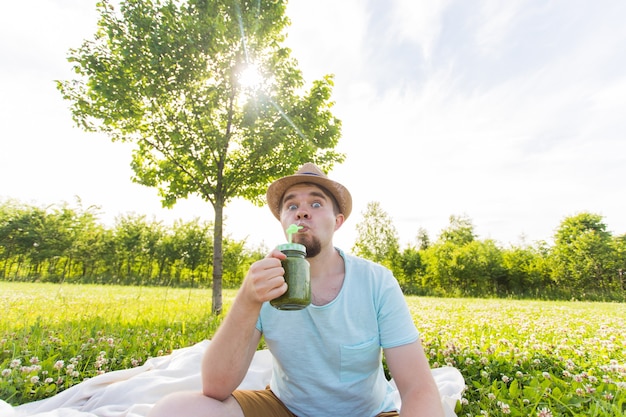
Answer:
(293, 228)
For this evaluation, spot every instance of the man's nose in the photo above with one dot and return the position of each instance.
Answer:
(302, 214)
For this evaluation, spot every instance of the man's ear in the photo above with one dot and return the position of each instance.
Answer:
(339, 219)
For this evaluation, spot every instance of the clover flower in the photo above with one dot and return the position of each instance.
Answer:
(544, 412)
(505, 408)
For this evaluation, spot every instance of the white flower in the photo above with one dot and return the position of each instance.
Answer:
(544, 412)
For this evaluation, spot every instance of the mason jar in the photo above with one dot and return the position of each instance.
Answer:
(297, 276)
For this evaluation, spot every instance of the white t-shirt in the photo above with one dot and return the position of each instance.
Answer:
(328, 359)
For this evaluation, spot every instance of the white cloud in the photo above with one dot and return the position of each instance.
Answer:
(419, 22)
(495, 22)
(511, 113)
(331, 32)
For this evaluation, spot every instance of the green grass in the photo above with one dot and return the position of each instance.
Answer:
(529, 358)
(519, 358)
(91, 329)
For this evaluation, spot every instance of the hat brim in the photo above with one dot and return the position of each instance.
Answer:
(277, 189)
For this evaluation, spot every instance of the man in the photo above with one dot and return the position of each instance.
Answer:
(327, 357)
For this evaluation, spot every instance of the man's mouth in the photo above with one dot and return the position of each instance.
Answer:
(303, 228)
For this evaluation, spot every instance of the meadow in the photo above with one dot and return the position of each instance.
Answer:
(518, 358)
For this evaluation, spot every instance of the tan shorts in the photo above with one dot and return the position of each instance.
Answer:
(264, 403)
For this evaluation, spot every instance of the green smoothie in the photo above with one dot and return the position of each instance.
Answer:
(297, 277)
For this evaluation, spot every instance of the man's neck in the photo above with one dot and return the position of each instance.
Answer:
(326, 263)
(327, 275)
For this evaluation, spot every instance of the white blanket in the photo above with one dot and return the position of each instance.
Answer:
(132, 392)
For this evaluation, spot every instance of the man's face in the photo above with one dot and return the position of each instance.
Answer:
(308, 206)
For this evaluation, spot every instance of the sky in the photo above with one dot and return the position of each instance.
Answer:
(512, 114)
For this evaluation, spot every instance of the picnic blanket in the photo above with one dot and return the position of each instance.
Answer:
(133, 392)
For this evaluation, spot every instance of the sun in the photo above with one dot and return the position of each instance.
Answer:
(250, 78)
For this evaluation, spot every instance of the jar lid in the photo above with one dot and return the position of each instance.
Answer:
(292, 246)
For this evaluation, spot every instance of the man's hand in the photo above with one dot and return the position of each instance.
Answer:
(265, 279)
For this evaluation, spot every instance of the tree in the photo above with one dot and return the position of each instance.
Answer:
(88, 249)
(9, 211)
(237, 260)
(193, 240)
(619, 245)
(422, 239)
(165, 75)
(528, 270)
(154, 234)
(22, 236)
(459, 232)
(440, 265)
(584, 253)
(411, 269)
(377, 238)
(131, 244)
(58, 236)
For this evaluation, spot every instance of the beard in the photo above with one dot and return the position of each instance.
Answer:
(312, 244)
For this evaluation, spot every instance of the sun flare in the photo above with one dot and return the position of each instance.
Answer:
(250, 78)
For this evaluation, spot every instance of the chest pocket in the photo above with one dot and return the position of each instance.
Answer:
(360, 360)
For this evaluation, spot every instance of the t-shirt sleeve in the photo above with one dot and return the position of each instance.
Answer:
(395, 324)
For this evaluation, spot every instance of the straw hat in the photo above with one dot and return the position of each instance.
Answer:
(308, 173)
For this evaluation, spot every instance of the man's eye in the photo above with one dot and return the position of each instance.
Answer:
(292, 207)
(316, 205)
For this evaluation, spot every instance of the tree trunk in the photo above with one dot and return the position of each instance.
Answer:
(217, 257)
